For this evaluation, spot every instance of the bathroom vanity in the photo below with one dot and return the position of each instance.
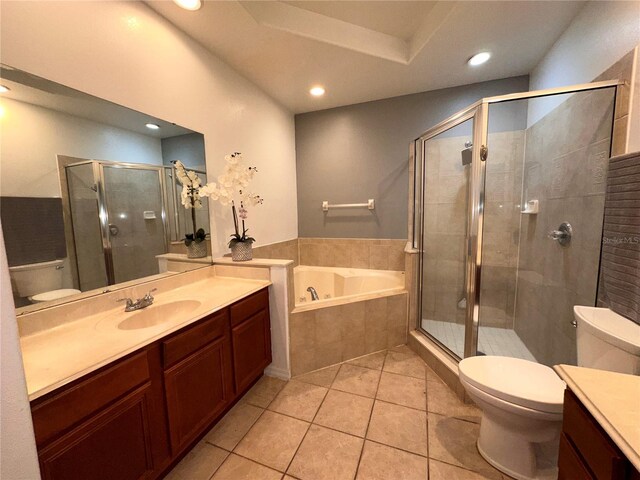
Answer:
(600, 437)
(135, 416)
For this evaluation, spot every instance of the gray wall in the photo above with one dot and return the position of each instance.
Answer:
(350, 154)
(189, 149)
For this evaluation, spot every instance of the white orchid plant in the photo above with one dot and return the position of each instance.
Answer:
(191, 199)
(232, 189)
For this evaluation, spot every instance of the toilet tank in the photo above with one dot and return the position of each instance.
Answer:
(36, 278)
(607, 340)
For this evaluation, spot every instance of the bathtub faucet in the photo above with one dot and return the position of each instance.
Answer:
(314, 294)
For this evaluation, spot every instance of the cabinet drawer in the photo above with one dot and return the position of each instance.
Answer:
(249, 307)
(65, 409)
(185, 343)
(570, 466)
(601, 456)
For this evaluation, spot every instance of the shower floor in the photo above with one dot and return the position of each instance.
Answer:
(491, 340)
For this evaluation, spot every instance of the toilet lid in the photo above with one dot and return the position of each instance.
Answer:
(514, 380)
(54, 294)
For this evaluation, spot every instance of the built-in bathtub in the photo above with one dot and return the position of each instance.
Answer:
(359, 311)
(337, 286)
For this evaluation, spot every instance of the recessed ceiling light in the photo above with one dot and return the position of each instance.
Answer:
(152, 126)
(189, 4)
(4, 89)
(479, 59)
(317, 91)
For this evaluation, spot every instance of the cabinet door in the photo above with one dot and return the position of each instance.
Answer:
(115, 443)
(197, 389)
(251, 342)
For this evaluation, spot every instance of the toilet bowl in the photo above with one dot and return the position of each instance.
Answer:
(521, 404)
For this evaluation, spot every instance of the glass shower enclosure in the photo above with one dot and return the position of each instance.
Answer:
(119, 221)
(508, 205)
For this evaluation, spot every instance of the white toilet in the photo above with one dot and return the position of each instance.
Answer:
(522, 401)
(40, 282)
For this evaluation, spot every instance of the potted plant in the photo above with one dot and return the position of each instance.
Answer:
(190, 195)
(232, 189)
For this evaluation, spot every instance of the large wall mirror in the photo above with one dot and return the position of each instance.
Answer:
(89, 199)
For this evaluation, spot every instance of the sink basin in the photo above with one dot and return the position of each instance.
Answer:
(157, 314)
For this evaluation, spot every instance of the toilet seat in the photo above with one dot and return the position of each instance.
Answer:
(514, 380)
(54, 295)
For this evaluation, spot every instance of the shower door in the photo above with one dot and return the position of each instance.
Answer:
(445, 161)
(133, 220)
(512, 241)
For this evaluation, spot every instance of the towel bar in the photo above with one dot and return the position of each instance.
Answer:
(371, 205)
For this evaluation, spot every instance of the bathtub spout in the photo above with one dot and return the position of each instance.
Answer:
(314, 294)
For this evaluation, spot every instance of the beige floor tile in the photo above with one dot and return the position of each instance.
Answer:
(444, 471)
(402, 349)
(322, 378)
(405, 364)
(273, 440)
(199, 464)
(300, 400)
(358, 380)
(345, 412)
(238, 468)
(373, 361)
(326, 455)
(398, 426)
(442, 400)
(453, 441)
(403, 390)
(380, 462)
(264, 391)
(234, 425)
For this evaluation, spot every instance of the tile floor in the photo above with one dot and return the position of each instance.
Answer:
(491, 340)
(385, 416)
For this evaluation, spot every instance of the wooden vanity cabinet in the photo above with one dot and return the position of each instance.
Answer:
(198, 378)
(101, 426)
(136, 417)
(586, 451)
(251, 338)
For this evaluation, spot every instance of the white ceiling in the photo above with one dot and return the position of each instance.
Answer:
(368, 50)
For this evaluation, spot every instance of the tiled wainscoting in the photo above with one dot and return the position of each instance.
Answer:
(386, 416)
(330, 335)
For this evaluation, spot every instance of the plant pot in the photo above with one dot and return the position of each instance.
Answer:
(197, 249)
(241, 251)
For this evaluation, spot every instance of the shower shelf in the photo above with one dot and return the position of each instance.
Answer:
(532, 207)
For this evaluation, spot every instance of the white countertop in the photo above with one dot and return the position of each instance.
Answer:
(614, 401)
(56, 356)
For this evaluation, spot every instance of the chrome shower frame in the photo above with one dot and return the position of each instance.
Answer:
(479, 113)
(103, 213)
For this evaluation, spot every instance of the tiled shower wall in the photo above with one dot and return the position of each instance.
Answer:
(445, 229)
(566, 158)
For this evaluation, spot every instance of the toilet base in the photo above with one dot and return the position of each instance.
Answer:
(515, 455)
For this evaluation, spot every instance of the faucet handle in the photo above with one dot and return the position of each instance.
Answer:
(148, 295)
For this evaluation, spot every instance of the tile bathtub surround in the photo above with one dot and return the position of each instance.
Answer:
(326, 336)
(375, 254)
(349, 436)
(287, 250)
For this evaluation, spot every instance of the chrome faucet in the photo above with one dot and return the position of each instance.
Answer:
(140, 303)
(314, 294)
